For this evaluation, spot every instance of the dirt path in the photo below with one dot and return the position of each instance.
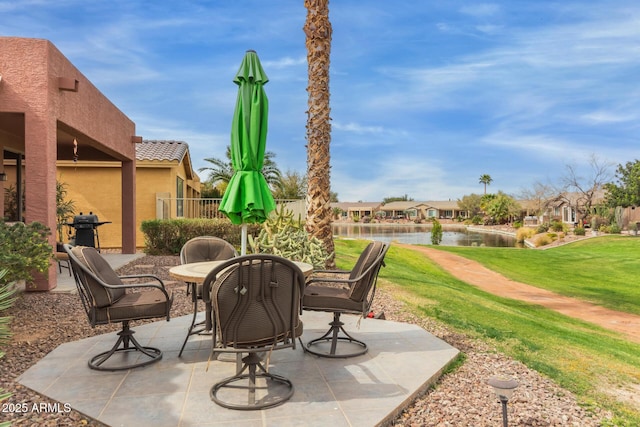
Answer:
(476, 274)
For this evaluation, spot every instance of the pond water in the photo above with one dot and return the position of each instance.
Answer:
(421, 235)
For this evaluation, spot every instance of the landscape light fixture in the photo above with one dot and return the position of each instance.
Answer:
(503, 387)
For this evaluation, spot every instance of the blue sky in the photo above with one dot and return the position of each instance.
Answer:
(426, 96)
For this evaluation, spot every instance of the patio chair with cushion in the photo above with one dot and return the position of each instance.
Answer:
(200, 249)
(344, 292)
(257, 306)
(107, 299)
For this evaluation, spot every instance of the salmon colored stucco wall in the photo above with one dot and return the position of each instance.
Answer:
(31, 70)
(152, 177)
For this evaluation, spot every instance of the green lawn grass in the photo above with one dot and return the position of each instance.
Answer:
(588, 360)
(605, 270)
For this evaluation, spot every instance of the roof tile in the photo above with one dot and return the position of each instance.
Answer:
(161, 150)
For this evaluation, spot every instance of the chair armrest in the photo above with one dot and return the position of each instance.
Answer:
(159, 285)
(143, 276)
(331, 271)
(331, 280)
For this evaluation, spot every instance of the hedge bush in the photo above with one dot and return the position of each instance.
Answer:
(167, 236)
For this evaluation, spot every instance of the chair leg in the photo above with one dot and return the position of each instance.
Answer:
(193, 328)
(251, 371)
(333, 338)
(129, 344)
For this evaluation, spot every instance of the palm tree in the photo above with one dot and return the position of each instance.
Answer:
(293, 185)
(223, 169)
(317, 29)
(486, 180)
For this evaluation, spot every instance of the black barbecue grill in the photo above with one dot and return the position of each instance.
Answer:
(86, 227)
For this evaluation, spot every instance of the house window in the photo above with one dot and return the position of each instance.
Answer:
(432, 213)
(179, 197)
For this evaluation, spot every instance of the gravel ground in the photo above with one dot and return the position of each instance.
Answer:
(42, 321)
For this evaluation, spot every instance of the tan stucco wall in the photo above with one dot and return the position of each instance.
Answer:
(95, 187)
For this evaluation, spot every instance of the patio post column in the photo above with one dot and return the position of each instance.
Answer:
(129, 207)
(40, 180)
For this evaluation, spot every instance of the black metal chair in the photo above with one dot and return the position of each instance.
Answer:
(257, 306)
(200, 249)
(344, 292)
(107, 299)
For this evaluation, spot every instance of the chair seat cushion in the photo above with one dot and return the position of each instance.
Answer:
(136, 305)
(329, 298)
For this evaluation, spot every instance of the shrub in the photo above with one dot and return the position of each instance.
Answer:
(517, 224)
(436, 232)
(544, 239)
(476, 220)
(524, 233)
(543, 228)
(167, 236)
(597, 222)
(614, 229)
(557, 226)
(24, 248)
(579, 231)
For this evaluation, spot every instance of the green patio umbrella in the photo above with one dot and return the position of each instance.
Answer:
(248, 198)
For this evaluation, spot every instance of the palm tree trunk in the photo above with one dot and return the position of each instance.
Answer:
(318, 41)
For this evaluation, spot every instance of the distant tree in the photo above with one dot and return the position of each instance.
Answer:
(540, 197)
(588, 187)
(501, 207)
(486, 180)
(626, 190)
(222, 170)
(210, 191)
(471, 203)
(404, 198)
(333, 197)
(292, 185)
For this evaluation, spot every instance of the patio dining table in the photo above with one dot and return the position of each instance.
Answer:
(196, 272)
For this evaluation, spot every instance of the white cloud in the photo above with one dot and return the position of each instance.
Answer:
(356, 128)
(284, 62)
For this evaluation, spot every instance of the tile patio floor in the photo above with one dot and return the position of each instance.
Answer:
(363, 391)
(403, 360)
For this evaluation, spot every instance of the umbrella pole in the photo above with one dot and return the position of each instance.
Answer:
(243, 243)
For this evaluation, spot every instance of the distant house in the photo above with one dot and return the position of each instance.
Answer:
(354, 211)
(163, 171)
(414, 210)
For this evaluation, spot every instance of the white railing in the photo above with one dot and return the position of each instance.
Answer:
(170, 208)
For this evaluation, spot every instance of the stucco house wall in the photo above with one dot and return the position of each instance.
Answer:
(45, 104)
(158, 166)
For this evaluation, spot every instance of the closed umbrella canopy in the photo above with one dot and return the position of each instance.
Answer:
(248, 197)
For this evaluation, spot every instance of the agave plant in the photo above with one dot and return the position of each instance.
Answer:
(7, 297)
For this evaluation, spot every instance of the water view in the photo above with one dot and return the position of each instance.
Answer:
(421, 235)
